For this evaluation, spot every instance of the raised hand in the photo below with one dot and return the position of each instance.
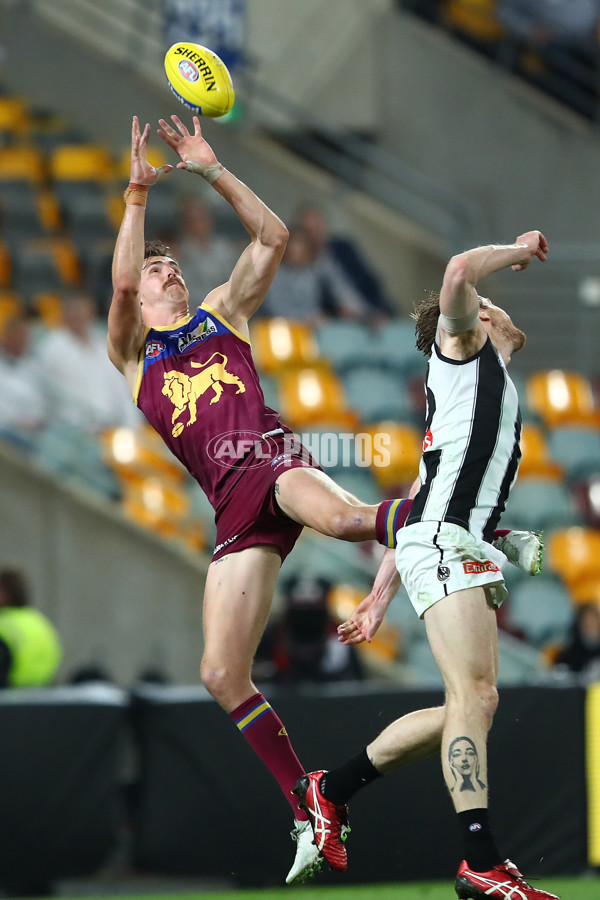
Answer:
(141, 171)
(537, 245)
(189, 146)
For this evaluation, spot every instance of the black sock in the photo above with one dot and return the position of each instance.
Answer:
(340, 784)
(481, 852)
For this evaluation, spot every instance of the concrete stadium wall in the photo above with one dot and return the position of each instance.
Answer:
(119, 597)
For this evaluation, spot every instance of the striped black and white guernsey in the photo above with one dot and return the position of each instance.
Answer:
(471, 449)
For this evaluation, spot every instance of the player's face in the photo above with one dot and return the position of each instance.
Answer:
(501, 324)
(161, 277)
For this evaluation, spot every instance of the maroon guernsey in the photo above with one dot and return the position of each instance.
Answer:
(198, 387)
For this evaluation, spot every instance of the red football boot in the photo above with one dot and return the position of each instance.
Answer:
(504, 882)
(329, 821)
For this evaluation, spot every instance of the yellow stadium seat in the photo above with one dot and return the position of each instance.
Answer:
(162, 505)
(15, 118)
(562, 397)
(536, 462)
(5, 265)
(574, 554)
(396, 450)
(278, 342)
(48, 306)
(587, 590)
(137, 454)
(21, 162)
(314, 396)
(81, 162)
(475, 18)
(11, 306)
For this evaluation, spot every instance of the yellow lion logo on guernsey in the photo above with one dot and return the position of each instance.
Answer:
(184, 390)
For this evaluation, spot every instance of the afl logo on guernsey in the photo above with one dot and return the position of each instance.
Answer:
(154, 348)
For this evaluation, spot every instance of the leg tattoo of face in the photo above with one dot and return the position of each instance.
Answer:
(464, 762)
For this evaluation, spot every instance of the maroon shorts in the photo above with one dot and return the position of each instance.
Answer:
(251, 516)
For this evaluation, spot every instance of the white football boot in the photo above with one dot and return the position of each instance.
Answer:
(308, 860)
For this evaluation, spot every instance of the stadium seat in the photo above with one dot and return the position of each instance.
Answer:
(347, 345)
(21, 163)
(586, 591)
(476, 19)
(376, 394)
(574, 554)
(15, 118)
(541, 608)
(396, 348)
(11, 306)
(399, 446)
(576, 449)
(562, 397)
(278, 343)
(537, 504)
(45, 264)
(314, 397)
(536, 461)
(137, 454)
(25, 212)
(80, 162)
(163, 506)
(5, 265)
(48, 306)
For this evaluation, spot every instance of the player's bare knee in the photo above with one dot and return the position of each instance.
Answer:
(216, 680)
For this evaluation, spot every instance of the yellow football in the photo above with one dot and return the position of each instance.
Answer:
(199, 79)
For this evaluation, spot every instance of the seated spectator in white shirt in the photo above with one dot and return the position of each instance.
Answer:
(23, 410)
(82, 387)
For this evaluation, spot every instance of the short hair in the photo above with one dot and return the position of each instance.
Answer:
(158, 248)
(426, 315)
(14, 585)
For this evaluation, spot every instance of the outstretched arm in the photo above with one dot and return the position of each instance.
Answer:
(459, 301)
(369, 614)
(125, 326)
(256, 267)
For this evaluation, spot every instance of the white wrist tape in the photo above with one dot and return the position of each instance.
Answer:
(209, 173)
(459, 324)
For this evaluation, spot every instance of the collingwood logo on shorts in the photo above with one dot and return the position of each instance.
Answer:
(200, 333)
(443, 573)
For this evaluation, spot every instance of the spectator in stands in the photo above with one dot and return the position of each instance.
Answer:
(81, 386)
(30, 650)
(338, 254)
(581, 652)
(307, 290)
(207, 258)
(22, 407)
(302, 645)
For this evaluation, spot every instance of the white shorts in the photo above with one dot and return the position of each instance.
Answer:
(435, 559)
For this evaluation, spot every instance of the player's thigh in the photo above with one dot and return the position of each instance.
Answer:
(312, 498)
(463, 636)
(237, 601)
